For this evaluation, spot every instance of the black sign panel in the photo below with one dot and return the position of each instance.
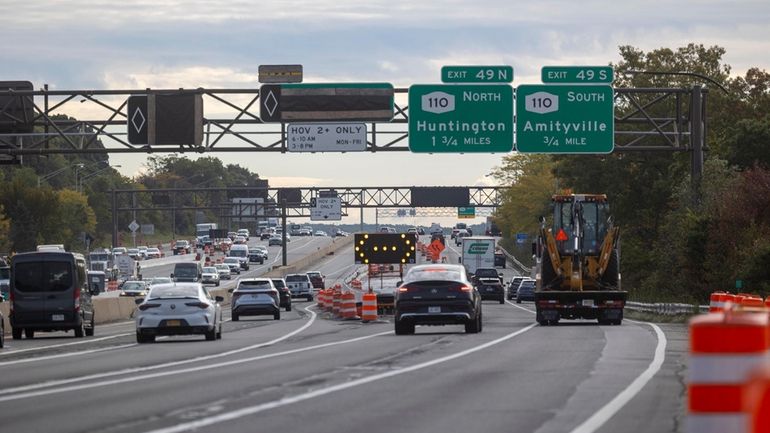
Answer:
(138, 120)
(385, 248)
(16, 111)
(280, 73)
(291, 195)
(368, 102)
(441, 196)
(178, 119)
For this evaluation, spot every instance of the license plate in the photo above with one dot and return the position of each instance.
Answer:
(490, 289)
(588, 302)
(173, 323)
(434, 309)
(57, 317)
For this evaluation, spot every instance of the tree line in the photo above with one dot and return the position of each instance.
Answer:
(677, 244)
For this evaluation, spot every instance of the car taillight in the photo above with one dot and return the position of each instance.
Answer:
(465, 288)
(403, 289)
(144, 307)
(201, 305)
(10, 298)
(76, 298)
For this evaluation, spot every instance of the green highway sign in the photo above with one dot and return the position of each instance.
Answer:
(564, 119)
(476, 74)
(460, 118)
(466, 212)
(577, 74)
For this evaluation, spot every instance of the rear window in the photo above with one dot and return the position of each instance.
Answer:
(238, 253)
(482, 272)
(181, 270)
(433, 275)
(255, 285)
(5, 273)
(43, 276)
(297, 278)
(174, 292)
(279, 284)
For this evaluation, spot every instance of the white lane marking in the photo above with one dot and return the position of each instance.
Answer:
(604, 414)
(54, 346)
(230, 416)
(65, 355)
(164, 365)
(520, 307)
(182, 371)
(598, 419)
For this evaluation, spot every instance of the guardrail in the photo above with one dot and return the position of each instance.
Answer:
(667, 309)
(510, 258)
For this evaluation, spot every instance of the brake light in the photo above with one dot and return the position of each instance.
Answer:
(403, 289)
(466, 288)
(201, 305)
(144, 307)
(76, 298)
(10, 293)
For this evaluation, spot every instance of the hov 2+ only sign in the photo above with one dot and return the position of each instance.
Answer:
(462, 118)
(564, 119)
(326, 137)
(325, 209)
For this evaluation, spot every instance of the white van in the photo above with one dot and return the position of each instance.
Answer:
(241, 251)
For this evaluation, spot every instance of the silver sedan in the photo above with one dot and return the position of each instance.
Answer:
(178, 309)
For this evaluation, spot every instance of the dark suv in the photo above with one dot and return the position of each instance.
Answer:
(437, 294)
(317, 280)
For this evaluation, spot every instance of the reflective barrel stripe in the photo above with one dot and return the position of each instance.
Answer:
(723, 369)
(716, 423)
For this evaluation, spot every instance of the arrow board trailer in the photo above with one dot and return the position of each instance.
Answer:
(326, 137)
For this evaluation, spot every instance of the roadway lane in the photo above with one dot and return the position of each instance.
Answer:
(309, 373)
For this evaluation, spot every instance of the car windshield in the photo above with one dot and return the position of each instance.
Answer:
(165, 292)
(133, 285)
(43, 276)
(210, 270)
(160, 280)
(255, 285)
(223, 267)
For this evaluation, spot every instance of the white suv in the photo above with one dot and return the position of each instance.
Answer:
(300, 286)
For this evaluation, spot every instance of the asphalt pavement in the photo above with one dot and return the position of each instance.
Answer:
(310, 373)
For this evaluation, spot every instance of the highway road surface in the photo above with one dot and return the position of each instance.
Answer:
(309, 373)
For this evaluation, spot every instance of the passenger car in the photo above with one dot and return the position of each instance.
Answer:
(317, 280)
(491, 288)
(513, 286)
(158, 280)
(499, 259)
(255, 296)
(320, 233)
(234, 263)
(224, 271)
(244, 233)
(210, 275)
(152, 253)
(283, 292)
(5, 282)
(134, 253)
(182, 247)
(241, 252)
(275, 240)
(50, 292)
(526, 291)
(134, 288)
(437, 294)
(486, 273)
(300, 286)
(187, 272)
(178, 309)
(258, 254)
(239, 240)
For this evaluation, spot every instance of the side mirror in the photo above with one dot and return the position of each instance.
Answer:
(230, 290)
(459, 260)
(139, 301)
(172, 276)
(219, 298)
(398, 284)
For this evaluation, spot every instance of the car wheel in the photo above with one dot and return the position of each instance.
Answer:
(90, 330)
(2, 336)
(403, 328)
(288, 307)
(502, 299)
(211, 335)
(518, 300)
(79, 331)
(277, 315)
(16, 333)
(309, 298)
(29, 333)
(472, 326)
(141, 338)
(217, 283)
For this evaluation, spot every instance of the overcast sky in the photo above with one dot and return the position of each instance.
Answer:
(103, 44)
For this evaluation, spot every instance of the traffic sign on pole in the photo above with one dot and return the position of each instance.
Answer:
(325, 209)
(476, 74)
(577, 74)
(564, 119)
(457, 118)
